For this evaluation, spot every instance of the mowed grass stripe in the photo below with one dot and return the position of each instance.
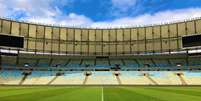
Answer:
(76, 93)
(195, 89)
(30, 94)
(12, 92)
(26, 94)
(11, 88)
(163, 95)
(180, 91)
(56, 94)
(83, 94)
(122, 94)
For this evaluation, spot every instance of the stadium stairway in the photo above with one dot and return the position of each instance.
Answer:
(147, 75)
(87, 74)
(33, 78)
(51, 81)
(117, 74)
(57, 75)
(23, 79)
(182, 80)
(193, 78)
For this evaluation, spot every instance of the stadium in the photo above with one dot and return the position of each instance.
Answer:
(33, 54)
(48, 62)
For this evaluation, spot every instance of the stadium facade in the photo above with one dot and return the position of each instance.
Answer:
(35, 54)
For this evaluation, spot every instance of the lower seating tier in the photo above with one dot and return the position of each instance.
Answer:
(16, 77)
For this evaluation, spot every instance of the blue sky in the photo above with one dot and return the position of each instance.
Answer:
(100, 13)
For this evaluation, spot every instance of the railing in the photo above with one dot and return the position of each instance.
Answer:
(165, 52)
(93, 68)
(104, 27)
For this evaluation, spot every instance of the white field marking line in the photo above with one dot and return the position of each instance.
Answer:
(102, 98)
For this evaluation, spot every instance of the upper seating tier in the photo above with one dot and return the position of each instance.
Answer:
(45, 39)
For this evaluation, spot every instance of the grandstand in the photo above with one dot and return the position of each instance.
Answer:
(35, 54)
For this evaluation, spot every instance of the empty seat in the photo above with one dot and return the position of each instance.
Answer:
(59, 62)
(74, 63)
(8, 60)
(44, 62)
(194, 61)
(29, 61)
(114, 62)
(89, 62)
(102, 63)
(146, 63)
(175, 62)
(130, 63)
(161, 63)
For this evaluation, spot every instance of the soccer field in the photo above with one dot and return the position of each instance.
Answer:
(98, 93)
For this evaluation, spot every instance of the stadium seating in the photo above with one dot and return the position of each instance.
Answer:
(54, 55)
(10, 77)
(8, 61)
(102, 78)
(70, 78)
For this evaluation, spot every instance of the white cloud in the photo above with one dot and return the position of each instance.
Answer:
(146, 19)
(42, 12)
(69, 20)
(157, 18)
(36, 8)
(2, 9)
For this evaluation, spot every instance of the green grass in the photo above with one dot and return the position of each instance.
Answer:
(98, 93)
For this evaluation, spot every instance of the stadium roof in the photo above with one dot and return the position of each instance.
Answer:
(104, 27)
